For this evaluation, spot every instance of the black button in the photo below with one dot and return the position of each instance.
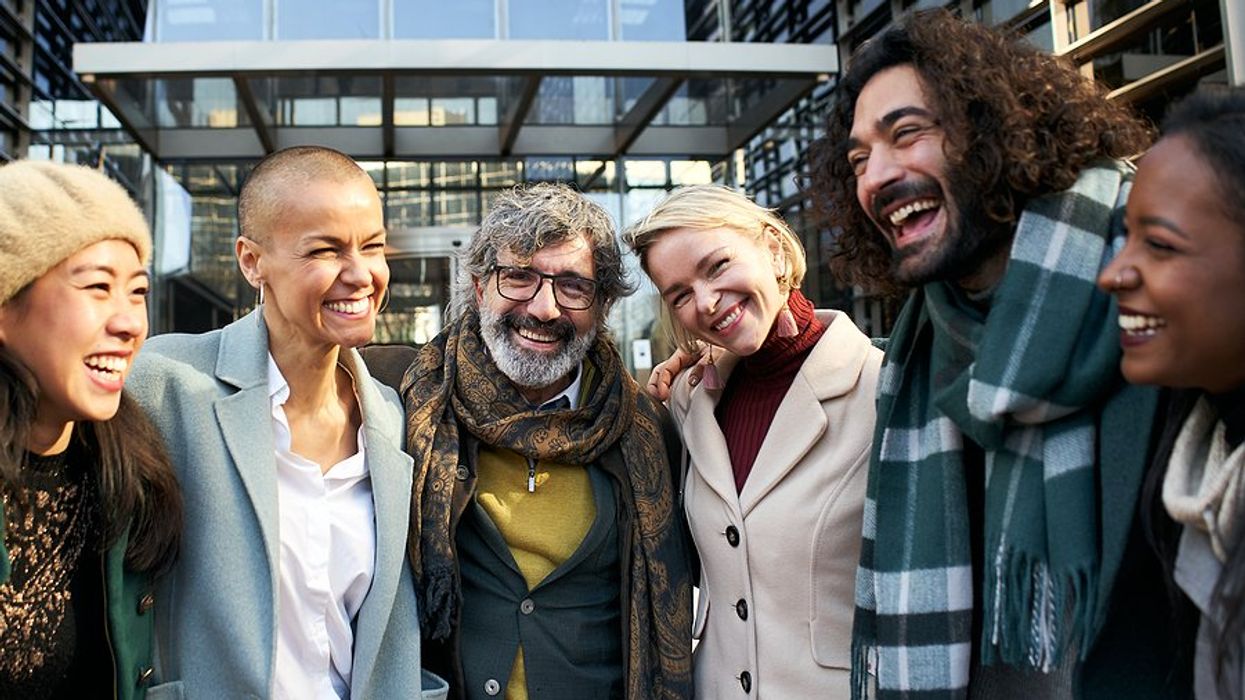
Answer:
(144, 676)
(732, 536)
(741, 609)
(145, 602)
(745, 681)
(462, 472)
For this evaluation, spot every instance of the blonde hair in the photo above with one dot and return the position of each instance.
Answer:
(708, 207)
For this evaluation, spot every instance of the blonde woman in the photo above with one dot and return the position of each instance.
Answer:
(778, 435)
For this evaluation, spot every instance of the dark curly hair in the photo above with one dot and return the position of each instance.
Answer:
(1018, 123)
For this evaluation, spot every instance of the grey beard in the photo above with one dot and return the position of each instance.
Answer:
(523, 367)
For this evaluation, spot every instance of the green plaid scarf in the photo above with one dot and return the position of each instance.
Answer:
(1027, 381)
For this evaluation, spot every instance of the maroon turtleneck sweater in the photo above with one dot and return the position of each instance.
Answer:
(758, 384)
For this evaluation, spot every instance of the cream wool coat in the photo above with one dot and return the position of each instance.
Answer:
(777, 605)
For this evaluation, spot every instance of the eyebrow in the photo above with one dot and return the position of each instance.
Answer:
(107, 269)
(888, 120)
(700, 267)
(1163, 223)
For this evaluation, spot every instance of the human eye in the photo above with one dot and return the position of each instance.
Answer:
(1158, 245)
(517, 277)
(678, 299)
(718, 266)
(857, 161)
(576, 287)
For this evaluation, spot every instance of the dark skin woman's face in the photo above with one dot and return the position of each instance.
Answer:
(1180, 280)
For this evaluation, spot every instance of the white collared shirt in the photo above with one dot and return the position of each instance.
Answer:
(328, 557)
(571, 392)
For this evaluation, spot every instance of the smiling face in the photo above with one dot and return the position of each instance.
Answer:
(1180, 279)
(720, 284)
(322, 264)
(77, 329)
(904, 183)
(536, 343)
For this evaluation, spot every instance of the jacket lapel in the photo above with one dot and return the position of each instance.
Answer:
(831, 369)
(704, 440)
(390, 472)
(245, 423)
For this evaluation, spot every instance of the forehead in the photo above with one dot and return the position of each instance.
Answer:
(1175, 182)
(326, 207)
(570, 256)
(890, 90)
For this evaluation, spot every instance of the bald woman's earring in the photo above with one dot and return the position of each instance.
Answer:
(261, 293)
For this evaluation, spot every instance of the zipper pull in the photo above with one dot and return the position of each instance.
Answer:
(531, 475)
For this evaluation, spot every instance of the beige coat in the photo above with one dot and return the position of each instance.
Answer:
(778, 561)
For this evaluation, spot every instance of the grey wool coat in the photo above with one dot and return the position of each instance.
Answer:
(216, 612)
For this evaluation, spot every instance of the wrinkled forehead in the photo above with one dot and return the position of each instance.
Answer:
(571, 255)
(890, 93)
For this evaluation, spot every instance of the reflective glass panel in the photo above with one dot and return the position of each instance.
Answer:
(438, 19)
(573, 100)
(209, 20)
(408, 174)
(183, 103)
(500, 174)
(652, 20)
(549, 170)
(690, 172)
(559, 19)
(594, 174)
(645, 173)
(328, 19)
(404, 209)
(454, 174)
(456, 208)
(453, 111)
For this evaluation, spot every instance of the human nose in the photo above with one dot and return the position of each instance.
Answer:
(128, 320)
(880, 170)
(707, 300)
(1120, 274)
(544, 305)
(355, 271)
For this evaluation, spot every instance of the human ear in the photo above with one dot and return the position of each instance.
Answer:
(248, 253)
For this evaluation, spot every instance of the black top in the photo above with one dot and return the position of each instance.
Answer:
(52, 638)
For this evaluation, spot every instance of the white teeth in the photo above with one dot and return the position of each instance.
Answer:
(538, 337)
(730, 318)
(108, 364)
(356, 306)
(1141, 324)
(899, 215)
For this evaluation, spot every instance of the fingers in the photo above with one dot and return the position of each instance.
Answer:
(659, 383)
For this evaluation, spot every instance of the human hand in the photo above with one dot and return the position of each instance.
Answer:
(663, 375)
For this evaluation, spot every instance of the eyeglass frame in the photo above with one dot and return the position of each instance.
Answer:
(496, 269)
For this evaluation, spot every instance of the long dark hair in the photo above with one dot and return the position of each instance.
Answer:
(1212, 120)
(1019, 123)
(138, 492)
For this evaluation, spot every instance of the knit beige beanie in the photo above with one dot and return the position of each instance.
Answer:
(49, 211)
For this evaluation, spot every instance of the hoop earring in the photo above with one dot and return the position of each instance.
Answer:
(384, 301)
(261, 293)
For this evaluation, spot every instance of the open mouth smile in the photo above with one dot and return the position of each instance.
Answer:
(729, 318)
(1143, 325)
(350, 307)
(107, 369)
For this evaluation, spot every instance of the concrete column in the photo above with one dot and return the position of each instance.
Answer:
(1233, 14)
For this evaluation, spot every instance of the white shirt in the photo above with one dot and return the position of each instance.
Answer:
(328, 557)
(571, 392)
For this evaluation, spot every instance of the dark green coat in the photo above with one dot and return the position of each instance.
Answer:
(128, 600)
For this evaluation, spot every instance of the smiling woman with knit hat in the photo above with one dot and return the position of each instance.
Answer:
(91, 510)
(778, 435)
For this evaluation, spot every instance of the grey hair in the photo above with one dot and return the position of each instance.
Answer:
(527, 218)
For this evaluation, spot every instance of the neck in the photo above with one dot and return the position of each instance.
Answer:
(49, 438)
(538, 395)
(311, 373)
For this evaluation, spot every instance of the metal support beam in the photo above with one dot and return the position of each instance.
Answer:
(644, 111)
(260, 118)
(1112, 35)
(1181, 72)
(767, 109)
(132, 119)
(509, 128)
(1233, 14)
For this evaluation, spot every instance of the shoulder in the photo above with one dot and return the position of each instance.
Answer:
(388, 363)
(168, 361)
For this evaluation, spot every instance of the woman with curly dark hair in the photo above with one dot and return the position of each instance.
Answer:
(1017, 123)
(91, 510)
(1180, 282)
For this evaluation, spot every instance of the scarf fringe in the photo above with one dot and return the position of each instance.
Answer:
(1034, 616)
(861, 653)
(438, 604)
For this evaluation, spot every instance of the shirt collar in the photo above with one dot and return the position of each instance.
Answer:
(571, 392)
(278, 388)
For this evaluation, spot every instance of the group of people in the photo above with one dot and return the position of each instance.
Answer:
(996, 501)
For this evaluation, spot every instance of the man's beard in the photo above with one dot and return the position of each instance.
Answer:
(527, 368)
(971, 239)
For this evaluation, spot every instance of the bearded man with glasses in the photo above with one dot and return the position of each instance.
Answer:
(551, 559)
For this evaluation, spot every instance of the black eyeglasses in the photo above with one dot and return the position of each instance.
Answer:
(523, 284)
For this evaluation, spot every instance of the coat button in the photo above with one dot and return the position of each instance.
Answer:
(732, 536)
(144, 676)
(462, 472)
(145, 602)
(741, 609)
(527, 606)
(492, 687)
(745, 681)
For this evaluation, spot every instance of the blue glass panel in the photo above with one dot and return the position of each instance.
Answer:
(559, 19)
(438, 19)
(328, 19)
(209, 20)
(652, 20)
